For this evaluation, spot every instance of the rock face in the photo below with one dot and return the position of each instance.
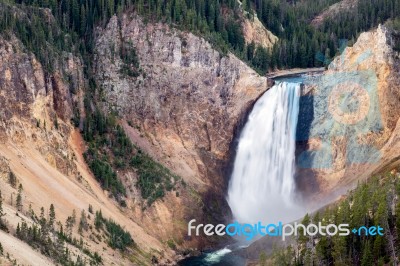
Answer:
(188, 99)
(33, 103)
(353, 130)
(184, 109)
(254, 31)
(348, 126)
(41, 148)
(334, 10)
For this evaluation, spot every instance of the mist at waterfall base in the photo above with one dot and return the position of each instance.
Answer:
(262, 187)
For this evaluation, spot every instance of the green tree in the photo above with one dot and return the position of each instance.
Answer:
(263, 258)
(12, 179)
(3, 225)
(83, 224)
(367, 257)
(98, 220)
(52, 217)
(19, 198)
(69, 225)
(1, 207)
(397, 212)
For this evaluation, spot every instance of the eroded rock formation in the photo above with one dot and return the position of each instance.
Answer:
(355, 114)
(188, 99)
(184, 108)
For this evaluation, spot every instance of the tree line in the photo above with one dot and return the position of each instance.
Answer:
(300, 42)
(219, 21)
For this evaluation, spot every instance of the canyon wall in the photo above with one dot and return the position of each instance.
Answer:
(188, 98)
(349, 128)
(184, 108)
(36, 108)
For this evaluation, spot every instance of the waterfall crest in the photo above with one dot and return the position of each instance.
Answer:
(262, 184)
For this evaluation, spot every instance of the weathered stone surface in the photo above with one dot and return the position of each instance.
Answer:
(188, 99)
(254, 31)
(184, 109)
(354, 131)
(31, 101)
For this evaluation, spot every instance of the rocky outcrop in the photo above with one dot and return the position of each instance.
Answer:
(188, 98)
(254, 31)
(334, 10)
(39, 145)
(34, 102)
(184, 108)
(354, 127)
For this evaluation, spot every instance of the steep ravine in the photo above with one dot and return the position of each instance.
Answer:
(42, 150)
(184, 109)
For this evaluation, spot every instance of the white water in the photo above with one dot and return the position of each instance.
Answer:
(262, 186)
(216, 256)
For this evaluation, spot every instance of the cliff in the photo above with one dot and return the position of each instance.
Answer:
(254, 31)
(41, 150)
(352, 129)
(334, 10)
(184, 108)
(188, 98)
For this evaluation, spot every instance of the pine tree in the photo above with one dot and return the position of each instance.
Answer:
(308, 257)
(69, 224)
(73, 217)
(18, 231)
(367, 255)
(19, 198)
(3, 225)
(398, 220)
(1, 207)
(263, 258)
(12, 179)
(31, 213)
(83, 224)
(98, 220)
(52, 217)
(83, 20)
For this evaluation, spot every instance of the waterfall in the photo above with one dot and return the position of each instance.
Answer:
(262, 183)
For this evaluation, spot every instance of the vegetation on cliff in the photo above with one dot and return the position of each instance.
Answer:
(373, 203)
(110, 150)
(49, 28)
(58, 242)
(55, 243)
(218, 21)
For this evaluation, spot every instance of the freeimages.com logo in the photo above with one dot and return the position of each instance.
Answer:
(251, 231)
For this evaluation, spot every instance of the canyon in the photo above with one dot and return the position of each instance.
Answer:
(185, 108)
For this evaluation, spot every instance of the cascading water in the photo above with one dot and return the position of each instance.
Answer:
(262, 184)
